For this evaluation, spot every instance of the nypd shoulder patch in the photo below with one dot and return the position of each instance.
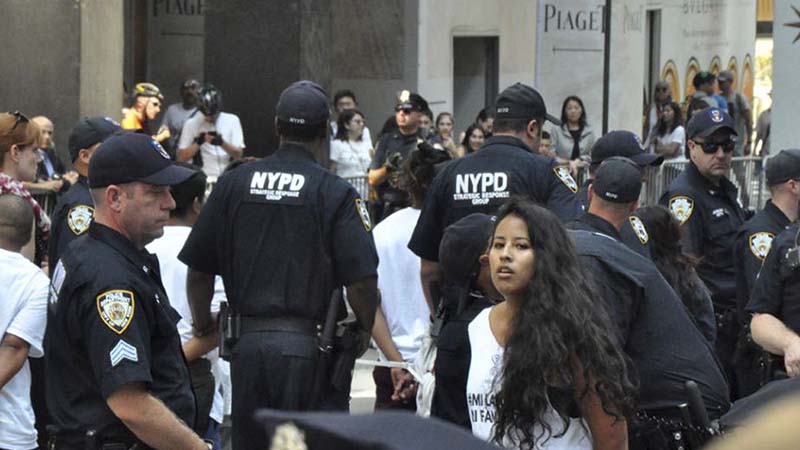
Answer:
(563, 174)
(116, 308)
(639, 229)
(681, 208)
(79, 218)
(760, 244)
(363, 213)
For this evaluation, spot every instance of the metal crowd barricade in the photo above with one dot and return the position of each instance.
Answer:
(361, 185)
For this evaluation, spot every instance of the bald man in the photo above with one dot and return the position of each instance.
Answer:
(51, 173)
(22, 323)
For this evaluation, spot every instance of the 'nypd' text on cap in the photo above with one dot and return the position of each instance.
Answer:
(520, 101)
(303, 103)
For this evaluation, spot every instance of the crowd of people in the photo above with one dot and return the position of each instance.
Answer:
(502, 295)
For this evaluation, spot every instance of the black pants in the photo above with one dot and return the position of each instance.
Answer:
(728, 330)
(275, 370)
(203, 385)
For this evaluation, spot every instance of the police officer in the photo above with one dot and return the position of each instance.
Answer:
(392, 149)
(775, 298)
(507, 165)
(74, 211)
(283, 232)
(116, 375)
(705, 203)
(652, 324)
(625, 144)
(753, 243)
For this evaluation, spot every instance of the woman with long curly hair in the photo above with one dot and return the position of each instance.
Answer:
(545, 371)
(677, 267)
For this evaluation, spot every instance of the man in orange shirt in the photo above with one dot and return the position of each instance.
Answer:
(146, 106)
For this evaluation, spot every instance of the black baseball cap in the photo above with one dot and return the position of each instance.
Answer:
(626, 144)
(128, 157)
(783, 167)
(462, 244)
(411, 100)
(703, 77)
(618, 180)
(303, 103)
(520, 101)
(89, 131)
(706, 121)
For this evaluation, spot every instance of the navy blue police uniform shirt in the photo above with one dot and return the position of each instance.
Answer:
(753, 243)
(110, 324)
(652, 325)
(283, 232)
(776, 291)
(71, 218)
(710, 217)
(389, 144)
(482, 181)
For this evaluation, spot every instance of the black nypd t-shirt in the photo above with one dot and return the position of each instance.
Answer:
(483, 181)
(283, 232)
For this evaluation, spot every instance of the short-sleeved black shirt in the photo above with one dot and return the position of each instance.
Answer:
(388, 145)
(652, 325)
(283, 232)
(710, 218)
(71, 218)
(111, 325)
(776, 291)
(753, 243)
(484, 180)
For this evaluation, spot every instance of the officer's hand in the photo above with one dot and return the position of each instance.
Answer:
(71, 176)
(393, 162)
(217, 140)
(53, 185)
(791, 357)
(200, 139)
(406, 388)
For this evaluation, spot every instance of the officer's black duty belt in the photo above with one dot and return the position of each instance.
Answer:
(285, 324)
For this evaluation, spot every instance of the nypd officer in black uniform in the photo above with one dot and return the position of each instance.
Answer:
(624, 144)
(654, 327)
(116, 375)
(705, 203)
(74, 211)
(284, 233)
(752, 246)
(506, 166)
(392, 150)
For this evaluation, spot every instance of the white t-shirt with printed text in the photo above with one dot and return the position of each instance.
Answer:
(23, 314)
(483, 384)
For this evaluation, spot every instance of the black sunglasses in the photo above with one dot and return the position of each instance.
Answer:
(709, 148)
(19, 118)
(661, 89)
(406, 110)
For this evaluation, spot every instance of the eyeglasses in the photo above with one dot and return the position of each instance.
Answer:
(709, 148)
(19, 118)
(661, 89)
(406, 110)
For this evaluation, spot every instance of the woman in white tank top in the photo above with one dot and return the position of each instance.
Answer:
(533, 354)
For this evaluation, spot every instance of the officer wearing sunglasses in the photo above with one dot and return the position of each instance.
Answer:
(706, 204)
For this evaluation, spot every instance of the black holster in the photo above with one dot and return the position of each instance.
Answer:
(771, 367)
(747, 351)
(229, 324)
(728, 325)
(345, 352)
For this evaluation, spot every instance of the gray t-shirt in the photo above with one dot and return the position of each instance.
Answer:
(174, 118)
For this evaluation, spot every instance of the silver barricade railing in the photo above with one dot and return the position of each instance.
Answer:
(361, 185)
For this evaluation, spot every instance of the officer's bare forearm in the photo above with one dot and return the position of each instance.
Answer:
(377, 176)
(13, 353)
(232, 150)
(151, 421)
(186, 154)
(198, 346)
(383, 338)
(363, 298)
(200, 290)
(430, 276)
(771, 334)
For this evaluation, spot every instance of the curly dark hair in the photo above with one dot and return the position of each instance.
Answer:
(419, 170)
(666, 251)
(560, 327)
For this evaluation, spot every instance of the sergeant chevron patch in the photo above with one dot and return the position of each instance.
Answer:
(121, 351)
